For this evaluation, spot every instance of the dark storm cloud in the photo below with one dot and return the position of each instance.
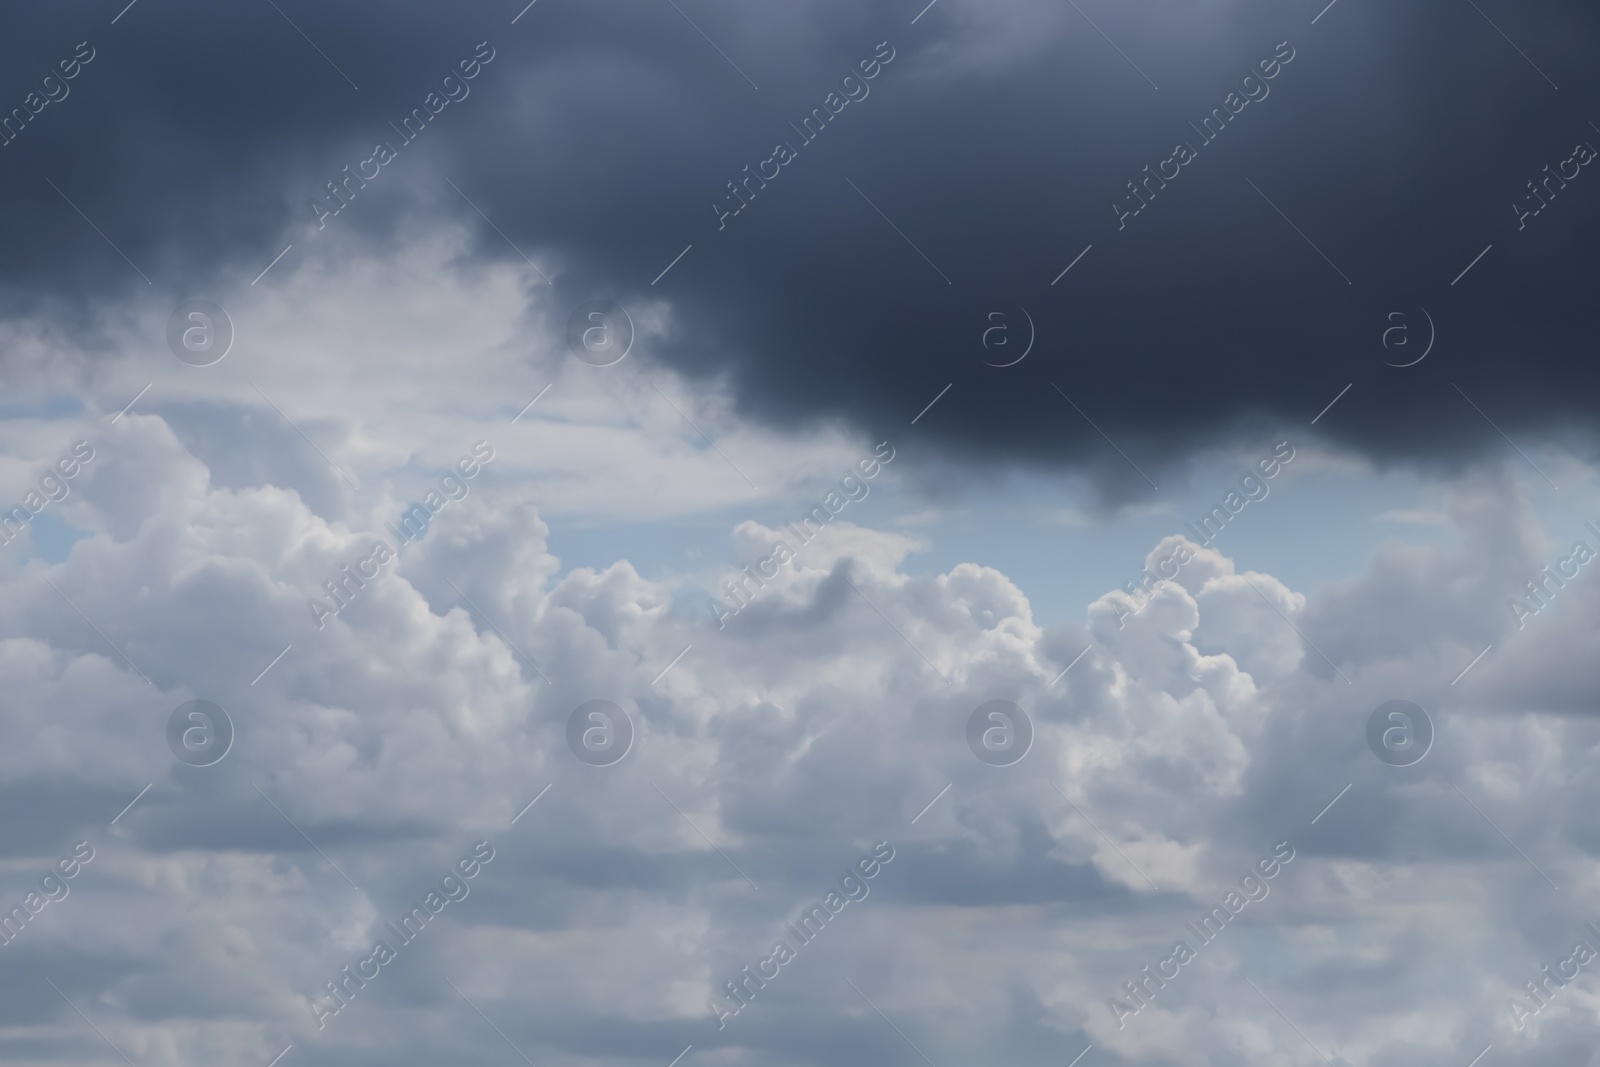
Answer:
(996, 140)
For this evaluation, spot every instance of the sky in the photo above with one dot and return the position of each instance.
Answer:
(672, 533)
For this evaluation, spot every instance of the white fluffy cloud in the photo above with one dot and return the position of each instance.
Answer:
(769, 754)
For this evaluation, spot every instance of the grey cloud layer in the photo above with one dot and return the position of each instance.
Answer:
(601, 136)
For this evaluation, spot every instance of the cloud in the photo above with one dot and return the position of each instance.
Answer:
(596, 142)
(1171, 748)
(1183, 746)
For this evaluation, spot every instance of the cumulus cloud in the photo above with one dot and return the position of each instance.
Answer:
(1183, 745)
